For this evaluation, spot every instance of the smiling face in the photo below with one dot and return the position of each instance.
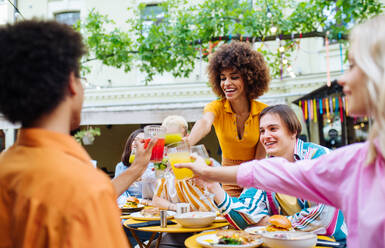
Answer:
(354, 84)
(232, 84)
(275, 137)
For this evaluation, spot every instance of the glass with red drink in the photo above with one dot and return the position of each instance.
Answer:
(159, 132)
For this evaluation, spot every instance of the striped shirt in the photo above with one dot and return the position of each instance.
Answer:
(184, 190)
(253, 204)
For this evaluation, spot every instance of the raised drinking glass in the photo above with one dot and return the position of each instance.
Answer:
(180, 153)
(159, 132)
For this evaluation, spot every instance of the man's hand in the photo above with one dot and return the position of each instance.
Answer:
(186, 139)
(142, 154)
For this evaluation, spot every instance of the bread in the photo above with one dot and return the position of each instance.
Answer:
(150, 212)
(278, 223)
(133, 199)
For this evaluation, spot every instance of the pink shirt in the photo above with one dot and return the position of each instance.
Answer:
(340, 179)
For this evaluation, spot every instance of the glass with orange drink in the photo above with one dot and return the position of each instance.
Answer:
(180, 153)
(202, 152)
(171, 138)
(132, 155)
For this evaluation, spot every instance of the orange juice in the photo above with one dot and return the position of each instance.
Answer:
(208, 161)
(172, 138)
(132, 158)
(180, 157)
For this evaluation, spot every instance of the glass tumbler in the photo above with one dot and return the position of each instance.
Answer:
(159, 132)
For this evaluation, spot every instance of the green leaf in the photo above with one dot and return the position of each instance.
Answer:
(170, 44)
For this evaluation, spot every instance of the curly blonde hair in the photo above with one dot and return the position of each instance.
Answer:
(248, 62)
(368, 47)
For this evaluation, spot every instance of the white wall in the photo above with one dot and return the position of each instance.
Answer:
(6, 12)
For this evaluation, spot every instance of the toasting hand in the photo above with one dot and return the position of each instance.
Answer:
(199, 166)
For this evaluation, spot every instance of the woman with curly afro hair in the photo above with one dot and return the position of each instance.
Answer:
(238, 75)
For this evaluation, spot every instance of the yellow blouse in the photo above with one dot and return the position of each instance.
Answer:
(226, 129)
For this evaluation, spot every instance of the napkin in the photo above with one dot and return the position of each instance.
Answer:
(149, 223)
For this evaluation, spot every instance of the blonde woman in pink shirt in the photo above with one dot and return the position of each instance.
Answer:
(351, 178)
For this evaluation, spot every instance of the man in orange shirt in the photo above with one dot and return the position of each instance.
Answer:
(50, 195)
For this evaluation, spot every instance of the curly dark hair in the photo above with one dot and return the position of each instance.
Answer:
(36, 60)
(250, 64)
(127, 148)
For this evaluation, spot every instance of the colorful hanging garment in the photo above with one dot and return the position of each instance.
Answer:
(335, 100)
(320, 106)
(315, 110)
(341, 113)
(346, 106)
(311, 109)
(305, 105)
(300, 105)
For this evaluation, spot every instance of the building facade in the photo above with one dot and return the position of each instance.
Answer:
(120, 102)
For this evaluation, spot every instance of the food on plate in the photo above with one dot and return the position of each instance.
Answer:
(234, 237)
(278, 223)
(145, 202)
(132, 202)
(256, 229)
(150, 212)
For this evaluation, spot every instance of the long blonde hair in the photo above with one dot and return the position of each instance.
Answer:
(368, 47)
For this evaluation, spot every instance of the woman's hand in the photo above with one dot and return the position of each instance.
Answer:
(185, 139)
(217, 193)
(142, 154)
(212, 187)
(163, 203)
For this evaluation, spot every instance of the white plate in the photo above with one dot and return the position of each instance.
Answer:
(220, 219)
(256, 229)
(126, 210)
(289, 239)
(139, 216)
(211, 240)
(141, 206)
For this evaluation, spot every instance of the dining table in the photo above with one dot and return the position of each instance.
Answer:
(192, 242)
(171, 228)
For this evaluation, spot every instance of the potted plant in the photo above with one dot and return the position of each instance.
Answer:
(87, 136)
